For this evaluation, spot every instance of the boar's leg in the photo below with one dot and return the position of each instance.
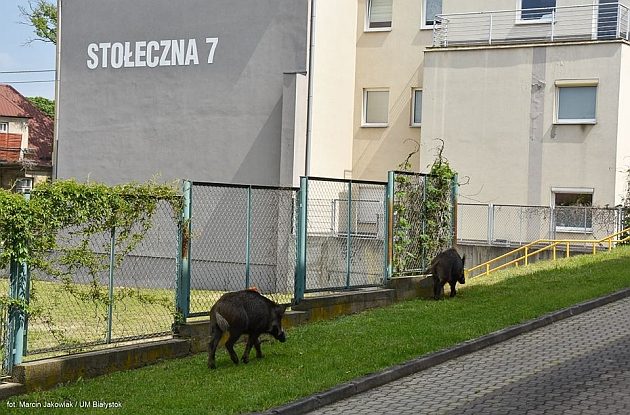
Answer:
(257, 346)
(252, 340)
(212, 347)
(229, 345)
(453, 292)
(438, 287)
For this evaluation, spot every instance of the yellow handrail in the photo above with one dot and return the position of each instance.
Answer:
(549, 244)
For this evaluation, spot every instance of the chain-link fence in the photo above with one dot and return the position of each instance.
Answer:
(128, 296)
(515, 225)
(241, 237)
(423, 220)
(345, 231)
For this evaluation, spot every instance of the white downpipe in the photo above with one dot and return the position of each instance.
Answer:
(309, 111)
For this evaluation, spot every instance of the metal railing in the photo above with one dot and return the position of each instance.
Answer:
(525, 253)
(552, 24)
(508, 225)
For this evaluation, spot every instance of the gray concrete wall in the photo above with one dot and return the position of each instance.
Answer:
(160, 115)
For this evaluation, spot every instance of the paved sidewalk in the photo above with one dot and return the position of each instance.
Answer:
(580, 365)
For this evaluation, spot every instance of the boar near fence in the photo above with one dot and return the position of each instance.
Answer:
(447, 267)
(243, 312)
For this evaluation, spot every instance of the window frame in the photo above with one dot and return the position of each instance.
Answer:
(521, 21)
(423, 20)
(413, 122)
(559, 84)
(364, 122)
(367, 27)
(6, 127)
(577, 191)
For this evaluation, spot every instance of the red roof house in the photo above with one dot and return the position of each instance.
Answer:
(26, 139)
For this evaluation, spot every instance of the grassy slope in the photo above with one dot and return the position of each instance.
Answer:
(321, 355)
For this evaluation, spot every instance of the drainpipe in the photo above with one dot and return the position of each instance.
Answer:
(55, 149)
(309, 111)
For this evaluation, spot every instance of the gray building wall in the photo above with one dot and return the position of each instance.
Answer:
(219, 121)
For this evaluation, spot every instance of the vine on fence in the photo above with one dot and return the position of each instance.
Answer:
(60, 211)
(422, 214)
(626, 207)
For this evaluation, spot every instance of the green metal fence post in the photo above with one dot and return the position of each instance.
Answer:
(18, 287)
(349, 240)
(110, 304)
(454, 191)
(249, 237)
(183, 254)
(388, 227)
(300, 265)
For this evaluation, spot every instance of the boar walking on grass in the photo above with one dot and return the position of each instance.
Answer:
(447, 267)
(243, 312)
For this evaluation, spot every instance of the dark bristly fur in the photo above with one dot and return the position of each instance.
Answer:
(447, 267)
(244, 312)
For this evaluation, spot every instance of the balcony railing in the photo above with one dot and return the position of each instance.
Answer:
(552, 24)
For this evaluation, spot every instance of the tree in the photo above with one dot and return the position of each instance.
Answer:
(42, 15)
(44, 104)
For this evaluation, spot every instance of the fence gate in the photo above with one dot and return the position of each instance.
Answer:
(424, 219)
(342, 234)
(240, 236)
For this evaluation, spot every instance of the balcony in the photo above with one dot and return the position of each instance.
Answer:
(605, 21)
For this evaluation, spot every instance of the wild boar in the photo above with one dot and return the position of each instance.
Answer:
(447, 266)
(244, 312)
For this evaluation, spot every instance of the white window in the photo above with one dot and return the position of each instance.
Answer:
(576, 102)
(416, 108)
(430, 9)
(379, 15)
(537, 10)
(573, 209)
(4, 127)
(375, 107)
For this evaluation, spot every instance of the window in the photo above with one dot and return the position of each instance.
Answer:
(4, 127)
(379, 15)
(576, 102)
(430, 9)
(572, 208)
(537, 10)
(416, 108)
(375, 107)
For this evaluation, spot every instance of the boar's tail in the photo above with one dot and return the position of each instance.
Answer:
(222, 322)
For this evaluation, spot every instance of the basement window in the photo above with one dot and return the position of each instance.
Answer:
(573, 210)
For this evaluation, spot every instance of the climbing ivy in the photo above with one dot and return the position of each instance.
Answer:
(63, 216)
(423, 209)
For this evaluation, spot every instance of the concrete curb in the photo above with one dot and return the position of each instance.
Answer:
(374, 380)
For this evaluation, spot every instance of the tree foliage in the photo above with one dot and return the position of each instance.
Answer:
(44, 104)
(42, 16)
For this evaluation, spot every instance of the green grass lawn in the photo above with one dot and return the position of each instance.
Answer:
(320, 355)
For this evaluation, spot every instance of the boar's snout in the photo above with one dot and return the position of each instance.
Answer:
(282, 337)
